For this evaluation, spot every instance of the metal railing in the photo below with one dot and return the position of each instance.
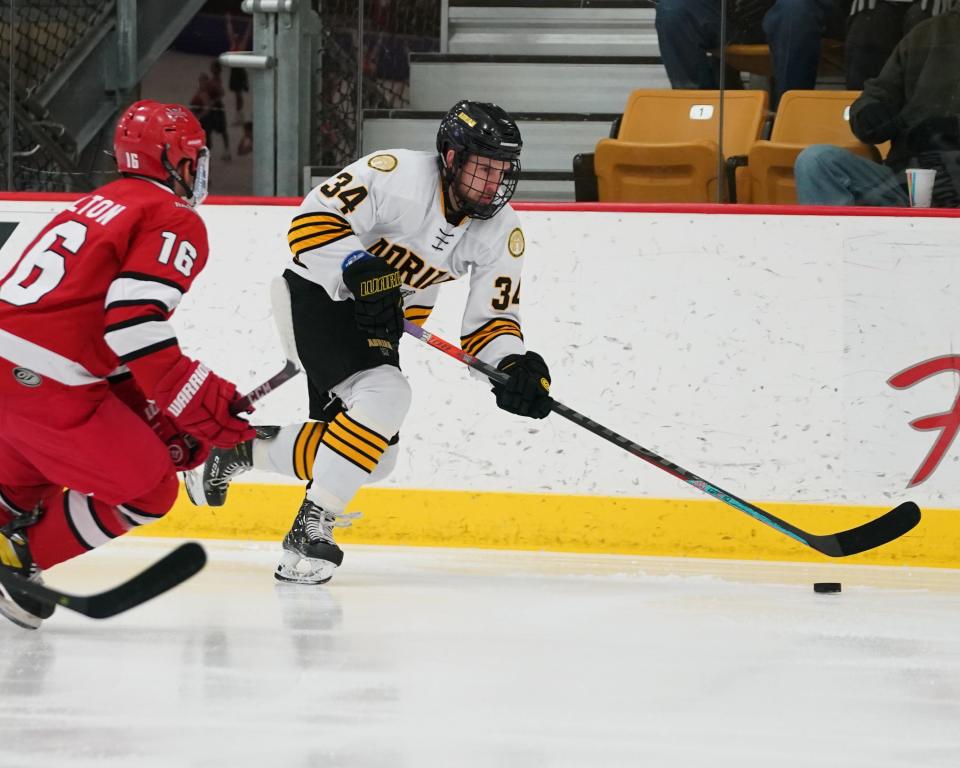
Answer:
(372, 75)
(37, 40)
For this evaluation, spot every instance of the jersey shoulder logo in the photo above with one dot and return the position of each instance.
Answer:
(516, 243)
(383, 163)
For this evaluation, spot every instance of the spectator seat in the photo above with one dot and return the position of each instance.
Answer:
(755, 58)
(666, 149)
(804, 118)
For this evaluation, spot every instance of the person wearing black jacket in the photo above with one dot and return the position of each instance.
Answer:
(915, 105)
(874, 27)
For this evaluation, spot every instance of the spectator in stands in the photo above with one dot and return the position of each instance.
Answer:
(200, 101)
(216, 118)
(245, 145)
(874, 28)
(688, 29)
(914, 104)
(239, 84)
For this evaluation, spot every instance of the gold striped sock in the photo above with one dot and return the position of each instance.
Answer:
(305, 448)
(354, 442)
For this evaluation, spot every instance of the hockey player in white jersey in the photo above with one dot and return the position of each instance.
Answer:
(372, 245)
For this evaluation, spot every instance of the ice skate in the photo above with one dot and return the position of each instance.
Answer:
(22, 610)
(310, 555)
(209, 484)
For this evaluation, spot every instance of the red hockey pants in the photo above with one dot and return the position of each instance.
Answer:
(95, 466)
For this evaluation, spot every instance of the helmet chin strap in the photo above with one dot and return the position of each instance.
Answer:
(448, 178)
(175, 175)
(198, 190)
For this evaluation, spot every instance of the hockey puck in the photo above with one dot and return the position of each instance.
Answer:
(827, 587)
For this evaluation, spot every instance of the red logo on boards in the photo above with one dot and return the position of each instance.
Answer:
(948, 422)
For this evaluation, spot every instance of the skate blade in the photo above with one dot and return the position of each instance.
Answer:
(193, 482)
(13, 612)
(294, 569)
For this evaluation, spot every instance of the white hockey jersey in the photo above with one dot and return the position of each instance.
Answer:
(391, 204)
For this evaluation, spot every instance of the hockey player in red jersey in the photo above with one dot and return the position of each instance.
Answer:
(99, 407)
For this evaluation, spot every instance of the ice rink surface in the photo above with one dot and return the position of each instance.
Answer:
(426, 657)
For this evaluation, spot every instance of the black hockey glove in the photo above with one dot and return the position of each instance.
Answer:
(527, 393)
(375, 286)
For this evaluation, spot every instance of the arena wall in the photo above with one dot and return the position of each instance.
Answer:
(784, 357)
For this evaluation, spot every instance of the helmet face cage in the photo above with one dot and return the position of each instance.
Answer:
(485, 167)
(201, 178)
(481, 184)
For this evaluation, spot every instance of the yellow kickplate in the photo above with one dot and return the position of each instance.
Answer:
(562, 523)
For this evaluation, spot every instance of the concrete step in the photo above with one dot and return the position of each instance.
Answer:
(531, 83)
(550, 140)
(544, 186)
(575, 28)
(540, 186)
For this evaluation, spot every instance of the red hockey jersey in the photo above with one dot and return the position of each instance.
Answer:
(95, 289)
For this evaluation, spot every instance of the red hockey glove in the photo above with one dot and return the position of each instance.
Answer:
(199, 402)
(186, 452)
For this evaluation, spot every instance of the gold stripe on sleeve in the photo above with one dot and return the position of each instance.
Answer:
(318, 240)
(417, 315)
(472, 343)
(315, 230)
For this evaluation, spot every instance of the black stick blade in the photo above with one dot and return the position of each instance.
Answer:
(889, 526)
(886, 528)
(166, 573)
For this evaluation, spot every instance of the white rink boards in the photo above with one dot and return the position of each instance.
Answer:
(755, 350)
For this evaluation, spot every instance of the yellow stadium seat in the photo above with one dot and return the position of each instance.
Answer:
(755, 58)
(666, 150)
(804, 118)
(749, 57)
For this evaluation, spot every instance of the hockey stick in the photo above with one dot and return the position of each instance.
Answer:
(238, 406)
(283, 317)
(886, 528)
(172, 569)
(280, 302)
(290, 369)
(193, 478)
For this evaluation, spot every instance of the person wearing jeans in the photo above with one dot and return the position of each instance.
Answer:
(688, 29)
(828, 175)
(915, 105)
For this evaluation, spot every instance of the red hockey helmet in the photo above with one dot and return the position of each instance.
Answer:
(153, 138)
